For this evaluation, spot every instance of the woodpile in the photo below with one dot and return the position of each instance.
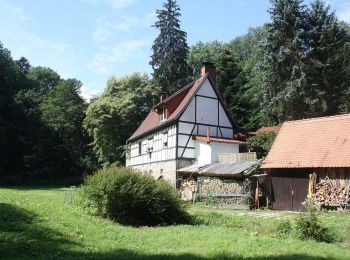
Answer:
(327, 195)
(217, 186)
(187, 189)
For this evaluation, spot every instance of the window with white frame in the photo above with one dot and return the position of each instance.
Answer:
(162, 114)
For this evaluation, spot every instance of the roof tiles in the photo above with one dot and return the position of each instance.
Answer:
(151, 122)
(311, 143)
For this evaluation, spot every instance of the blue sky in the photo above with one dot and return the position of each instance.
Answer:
(92, 40)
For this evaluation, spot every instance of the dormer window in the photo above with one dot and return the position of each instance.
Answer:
(162, 114)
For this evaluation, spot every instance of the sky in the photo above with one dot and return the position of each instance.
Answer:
(92, 40)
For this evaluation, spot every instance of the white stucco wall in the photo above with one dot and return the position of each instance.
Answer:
(217, 148)
(207, 153)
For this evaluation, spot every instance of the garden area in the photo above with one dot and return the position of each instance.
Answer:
(48, 222)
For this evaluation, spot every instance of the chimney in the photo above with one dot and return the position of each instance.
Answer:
(162, 97)
(209, 67)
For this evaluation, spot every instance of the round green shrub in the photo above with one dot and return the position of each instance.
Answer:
(133, 198)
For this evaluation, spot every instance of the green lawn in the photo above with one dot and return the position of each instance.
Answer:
(36, 223)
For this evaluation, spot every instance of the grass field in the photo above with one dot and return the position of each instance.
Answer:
(35, 223)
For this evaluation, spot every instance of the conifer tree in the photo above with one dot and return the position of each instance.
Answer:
(326, 73)
(285, 81)
(170, 49)
(230, 82)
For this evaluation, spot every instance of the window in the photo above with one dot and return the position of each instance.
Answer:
(150, 145)
(162, 114)
(140, 148)
(165, 139)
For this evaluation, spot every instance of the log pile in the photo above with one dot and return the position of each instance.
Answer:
(218, 186)
(187, 189)
(327, 195)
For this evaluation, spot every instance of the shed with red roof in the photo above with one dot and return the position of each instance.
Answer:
(318, 146)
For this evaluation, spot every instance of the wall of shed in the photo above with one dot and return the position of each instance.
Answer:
(340, 177)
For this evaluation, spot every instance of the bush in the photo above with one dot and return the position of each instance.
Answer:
(308, 226)
(133, 198)
(261, 143)
(284, 228)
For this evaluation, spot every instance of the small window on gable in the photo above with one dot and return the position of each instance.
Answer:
(140, 148)
(162, 114)
(165, 139)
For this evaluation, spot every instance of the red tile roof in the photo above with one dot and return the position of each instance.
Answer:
(151, 122)
(311, 143)
(215, 139)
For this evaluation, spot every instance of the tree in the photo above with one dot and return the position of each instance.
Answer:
(284, 84)
(170, 69)
(326, 57)
(203, 52)
(230, 82)
(261, 143)
(111, 118)
(62, 111)
(250, 52)
(12, 145)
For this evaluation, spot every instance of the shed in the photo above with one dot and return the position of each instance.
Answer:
(224, 183)
(310, 157)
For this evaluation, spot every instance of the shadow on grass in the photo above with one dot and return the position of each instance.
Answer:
(23, 236)
(127, 254)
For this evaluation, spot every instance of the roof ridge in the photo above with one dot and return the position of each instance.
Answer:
(189, 85)
(317, 119)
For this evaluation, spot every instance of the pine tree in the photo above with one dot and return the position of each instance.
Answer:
(230, 82)
(170, 50)
(326, 75)
(285, 46)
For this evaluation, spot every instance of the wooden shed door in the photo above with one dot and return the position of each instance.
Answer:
(289, 193)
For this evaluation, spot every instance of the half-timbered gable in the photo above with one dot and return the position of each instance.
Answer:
(191, 126)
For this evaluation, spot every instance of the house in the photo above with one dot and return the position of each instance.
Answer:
(191, 126)
(310, 157)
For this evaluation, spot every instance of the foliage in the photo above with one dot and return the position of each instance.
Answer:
(309, 226)
(36, 224)
(41, 134)
(261, 143)
(111, 118)
(285, 81)
(203, 52)
(170, 69)
(230, 82)
(284, 228)
(326, 61)
(133, 198)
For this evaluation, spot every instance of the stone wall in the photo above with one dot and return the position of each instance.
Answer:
(165, 170)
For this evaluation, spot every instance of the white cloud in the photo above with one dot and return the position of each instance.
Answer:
(110, 27)
(107, 58)
(16, 34)
(345, 15)
(87, 92)
(117, 4)
(120, 3)
(342, 8)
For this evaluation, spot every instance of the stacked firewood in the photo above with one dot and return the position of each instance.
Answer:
(327, 195)
(217, 186)
(189, 184)
(187, 189)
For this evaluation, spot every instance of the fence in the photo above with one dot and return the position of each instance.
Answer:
(223, 193)
(236, 157)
